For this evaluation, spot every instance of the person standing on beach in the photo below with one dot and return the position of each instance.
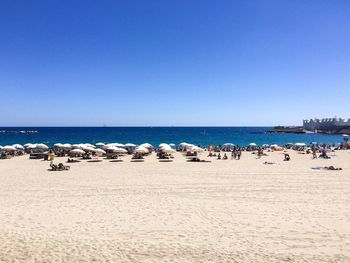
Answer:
(239, 153)
(314, 155)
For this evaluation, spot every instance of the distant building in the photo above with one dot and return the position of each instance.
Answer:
(331, 124)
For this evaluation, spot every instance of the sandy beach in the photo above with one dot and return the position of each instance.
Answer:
(223, 211)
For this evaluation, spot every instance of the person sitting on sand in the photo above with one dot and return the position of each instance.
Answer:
(332, 168)
(225, 157)
(219, 156)
(324, 155)
(286, 157)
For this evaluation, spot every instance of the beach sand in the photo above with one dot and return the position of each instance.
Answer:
(223, 211)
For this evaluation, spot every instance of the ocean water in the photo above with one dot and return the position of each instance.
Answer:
(203, 136)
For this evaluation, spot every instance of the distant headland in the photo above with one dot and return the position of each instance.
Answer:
(325, 125)
(17, 132)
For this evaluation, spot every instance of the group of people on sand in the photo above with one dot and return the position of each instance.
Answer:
(236, 154)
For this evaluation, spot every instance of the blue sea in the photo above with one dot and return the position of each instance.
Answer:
(203, 136)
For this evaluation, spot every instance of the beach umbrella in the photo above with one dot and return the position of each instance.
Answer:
(58, 145)
(67, 146)
(169, 150)
(300, 144)
(99, 151)
(27, 144)
(42, 146)
(99, 144)
(89, 145)
(31, 146)
(228, 144)
(172, 145)
(87, 148)
(345, 135)
(117, 149)
(8, 148)
(163, 145)
(252, 144)
(196, 149)
(147, 145)
(77, 151)
(129, 145)
(106, 146)
(18, 146)
(265, 145)
(141, 150)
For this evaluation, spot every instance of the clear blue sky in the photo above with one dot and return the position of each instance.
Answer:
(200, 62)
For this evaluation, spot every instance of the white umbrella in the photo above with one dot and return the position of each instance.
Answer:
(172, 145)
(77, 151)
(58, 145)
(18, 146)
(31, 146)
(8, 148)
(27, 144)
(300, 144)
(141, 150)
(228, 144)
(265, 145)
(130, 145)
(42, 146)
(147, 145)
(117, 149)
(252, 144)
(273, 146)
(165, 147)
(67, 146)
(345, 135)
(88, 149)
(99, 144)
(196, 149)
(169, 150)
(89, 145)
(100, 151)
